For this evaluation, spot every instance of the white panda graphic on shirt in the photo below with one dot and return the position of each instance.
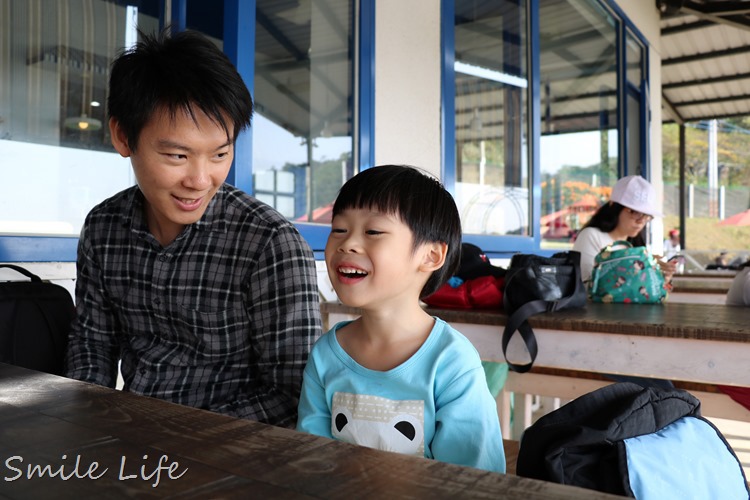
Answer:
(381, 423)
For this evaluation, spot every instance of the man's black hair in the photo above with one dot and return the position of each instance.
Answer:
(176, 73)
(419, 200)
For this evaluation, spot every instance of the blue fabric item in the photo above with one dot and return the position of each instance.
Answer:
(436, 404)
(455, 282)
(686, 459)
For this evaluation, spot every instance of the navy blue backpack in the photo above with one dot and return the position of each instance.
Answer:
(645, 443)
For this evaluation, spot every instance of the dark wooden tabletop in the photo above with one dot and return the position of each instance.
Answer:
(111, 444)
(670, 320)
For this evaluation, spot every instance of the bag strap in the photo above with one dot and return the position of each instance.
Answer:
(33, 277)
(518, 320)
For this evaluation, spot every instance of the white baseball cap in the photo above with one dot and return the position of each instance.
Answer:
(636, 193)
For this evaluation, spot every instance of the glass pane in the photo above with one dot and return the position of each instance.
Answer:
(54, 69)
(578, 148)
(303, 95)
(634, 58)
(635, 165)
(492, 173)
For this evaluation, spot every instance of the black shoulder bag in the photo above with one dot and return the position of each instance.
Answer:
(35, 319)
(536, 284)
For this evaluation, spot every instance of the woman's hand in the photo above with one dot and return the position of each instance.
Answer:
(667, 268)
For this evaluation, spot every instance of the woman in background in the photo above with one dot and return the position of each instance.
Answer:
(631, 206)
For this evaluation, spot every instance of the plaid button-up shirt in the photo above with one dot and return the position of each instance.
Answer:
(223, 318)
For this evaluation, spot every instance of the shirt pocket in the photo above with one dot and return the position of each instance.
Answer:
(213, 334)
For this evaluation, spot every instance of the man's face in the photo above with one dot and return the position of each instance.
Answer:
(179, 165)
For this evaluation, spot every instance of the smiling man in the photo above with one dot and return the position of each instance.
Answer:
(206, 296)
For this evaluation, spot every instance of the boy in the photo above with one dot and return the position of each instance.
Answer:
(397, 378)
(207, 296)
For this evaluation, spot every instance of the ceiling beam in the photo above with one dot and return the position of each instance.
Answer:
(671, 110)
(706, 55)
(725, 12)
(681, 28)
(723, 8)
(705, 81)
(715, 100)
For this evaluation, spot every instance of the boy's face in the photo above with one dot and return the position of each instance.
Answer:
(372, 262)
(179, 165)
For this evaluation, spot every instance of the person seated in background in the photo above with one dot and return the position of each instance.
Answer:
(207, 296)
(721, 261)
(672, 249)
(397, 378)
(672, 244)
(739, 290)
(630, 208)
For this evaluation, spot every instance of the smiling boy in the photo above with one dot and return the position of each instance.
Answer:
(397, 378)
(206, 296)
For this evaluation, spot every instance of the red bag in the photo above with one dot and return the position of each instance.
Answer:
(485, 292)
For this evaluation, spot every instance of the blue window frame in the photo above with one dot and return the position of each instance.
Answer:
(364, 113)
(490, 54)
(606, 107)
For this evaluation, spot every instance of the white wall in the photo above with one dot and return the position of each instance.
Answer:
(408, 83)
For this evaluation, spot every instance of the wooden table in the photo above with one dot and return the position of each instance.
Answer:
(691, 342)
(725, 273)
(700, 343)
(700, 289)
(702, 285)
(119, 445)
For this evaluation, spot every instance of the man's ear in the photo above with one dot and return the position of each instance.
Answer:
(119, 138)
(434, 254)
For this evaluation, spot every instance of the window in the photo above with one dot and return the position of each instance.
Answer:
(304, 126)
(546, 105)
(57, 158)
(579, 115)
(636, 115)
(492, 173)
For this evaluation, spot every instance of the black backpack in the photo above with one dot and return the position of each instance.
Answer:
(35, 320)
(624, 439)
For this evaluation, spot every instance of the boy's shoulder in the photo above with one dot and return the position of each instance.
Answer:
(325, 342)
(448, 334)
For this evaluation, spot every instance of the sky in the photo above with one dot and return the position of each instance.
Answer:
(580, 149)
(273, 146)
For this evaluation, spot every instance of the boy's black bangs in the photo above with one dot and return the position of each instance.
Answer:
(385, 196)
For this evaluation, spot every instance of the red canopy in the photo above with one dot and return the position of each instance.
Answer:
(740, 219)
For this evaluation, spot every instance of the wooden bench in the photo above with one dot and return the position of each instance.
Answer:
(511, 455)
(565, 385)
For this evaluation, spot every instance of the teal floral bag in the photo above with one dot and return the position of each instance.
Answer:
(626, 275)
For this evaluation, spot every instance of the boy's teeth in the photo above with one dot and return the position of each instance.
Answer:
(349, 270)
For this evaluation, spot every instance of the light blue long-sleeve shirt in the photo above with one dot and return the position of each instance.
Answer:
(436, 404)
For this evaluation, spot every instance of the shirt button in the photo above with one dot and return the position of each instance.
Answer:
(157, 301)
(162, 258)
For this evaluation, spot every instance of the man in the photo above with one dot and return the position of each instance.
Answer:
(207, 296)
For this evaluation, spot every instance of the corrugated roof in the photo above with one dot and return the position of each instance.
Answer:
(705, 59)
